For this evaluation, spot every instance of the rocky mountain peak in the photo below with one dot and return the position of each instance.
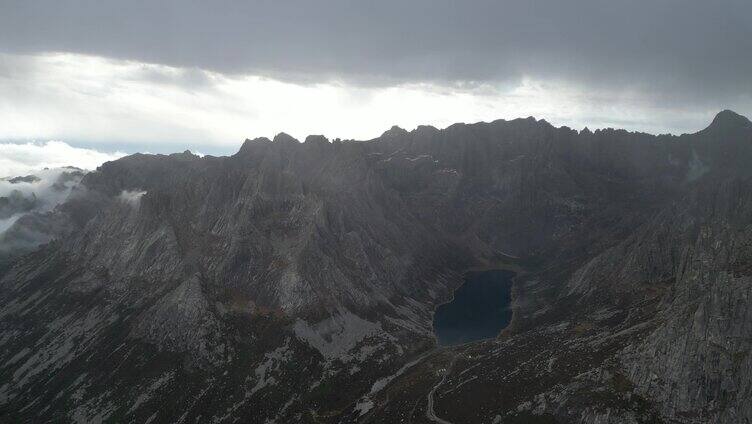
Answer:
(285, 138)
(256, 141)
(250, 287)
(316, 139)
(22, 179)
(728, 120)
(394, 132)
(249, 144)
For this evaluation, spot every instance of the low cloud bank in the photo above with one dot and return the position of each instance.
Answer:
(19, 159)
(28, 196)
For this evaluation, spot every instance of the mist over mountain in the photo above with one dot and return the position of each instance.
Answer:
(25, 201)
(297, 281)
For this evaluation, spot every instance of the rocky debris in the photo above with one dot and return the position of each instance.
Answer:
(285, 282)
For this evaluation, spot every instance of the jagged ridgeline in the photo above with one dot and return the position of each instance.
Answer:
(296, 282)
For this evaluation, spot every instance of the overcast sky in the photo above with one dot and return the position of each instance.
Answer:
(168, 75)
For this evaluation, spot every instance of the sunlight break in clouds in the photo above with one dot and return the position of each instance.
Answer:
(28, 158)
(106, 101)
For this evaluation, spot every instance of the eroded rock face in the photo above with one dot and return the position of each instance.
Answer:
(696, 362)
(296, 281)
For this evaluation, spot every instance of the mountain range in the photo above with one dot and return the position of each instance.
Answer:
(296, 281)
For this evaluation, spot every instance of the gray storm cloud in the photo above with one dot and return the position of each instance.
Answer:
(689, 49)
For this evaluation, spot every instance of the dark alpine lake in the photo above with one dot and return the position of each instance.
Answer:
(479, 310)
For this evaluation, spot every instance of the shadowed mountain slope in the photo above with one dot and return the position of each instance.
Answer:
(293, 281)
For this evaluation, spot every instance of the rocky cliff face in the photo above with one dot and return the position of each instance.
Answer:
(295, 282)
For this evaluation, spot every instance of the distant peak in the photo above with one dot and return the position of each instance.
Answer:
(26, 179)
(285, 138)
(248, 143)
(395, 131)
(727, 119)
(316, 139)
(257, 140)
(426, 131)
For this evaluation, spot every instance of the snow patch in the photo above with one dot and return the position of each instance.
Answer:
(147, 394)
(95, 411)
(363, 406)
(271, 364)
(335, 336)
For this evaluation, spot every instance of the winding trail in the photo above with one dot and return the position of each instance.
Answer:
(430, 413)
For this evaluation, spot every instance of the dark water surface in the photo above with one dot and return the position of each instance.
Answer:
(480, 308)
